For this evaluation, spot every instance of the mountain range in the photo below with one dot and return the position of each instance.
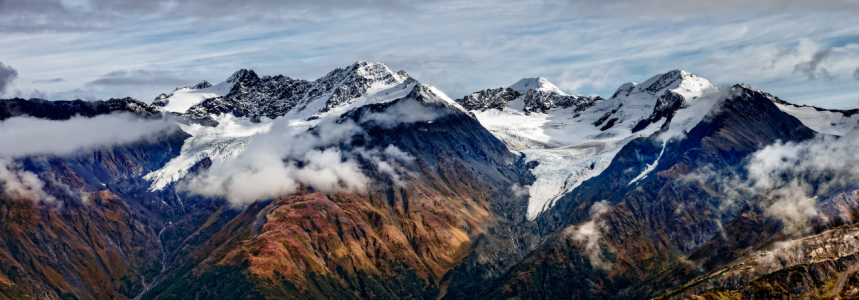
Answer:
(365, 183)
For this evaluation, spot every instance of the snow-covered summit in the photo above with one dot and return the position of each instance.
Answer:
(541, 84)
(684, 83)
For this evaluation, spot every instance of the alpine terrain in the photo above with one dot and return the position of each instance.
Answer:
(367, 184)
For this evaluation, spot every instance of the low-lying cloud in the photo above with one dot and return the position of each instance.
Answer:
(279, 161)
(386, 161)
(790, 178)
(520, 191)
(20, 184)
(26, 136)
(590, 233)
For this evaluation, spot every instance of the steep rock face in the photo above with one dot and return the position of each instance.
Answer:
(537, 95)
(395, 240)
(542, 101)
(489, 99)
(646, 226)
(253, 96)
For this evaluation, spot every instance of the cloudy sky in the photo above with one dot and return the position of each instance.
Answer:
(802, 51)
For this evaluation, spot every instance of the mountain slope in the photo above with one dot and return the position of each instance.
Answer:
(645, 227)
(365, 183)
(90, 229)
(574, 138)
(396, 240)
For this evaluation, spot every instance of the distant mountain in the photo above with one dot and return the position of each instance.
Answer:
(64, 110)
(367, 184)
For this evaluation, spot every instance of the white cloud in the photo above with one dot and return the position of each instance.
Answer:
(563, 41)
(589, 234)
(7, 76)
(279, 161)
(520, 191)
(20, 184)
(26, 136)
(388, 164)
(789, 177)
(400, 155)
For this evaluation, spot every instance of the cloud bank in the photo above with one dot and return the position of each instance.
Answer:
(26, 136)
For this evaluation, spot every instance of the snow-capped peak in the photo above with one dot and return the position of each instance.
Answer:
(542, 84)
(684, 83)
(202, 85)
(378, 71)
(242, 75)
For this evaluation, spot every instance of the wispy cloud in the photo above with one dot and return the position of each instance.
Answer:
(7, 75)
(812, 69)
(587, 47)
(52, 80)
(137, 77)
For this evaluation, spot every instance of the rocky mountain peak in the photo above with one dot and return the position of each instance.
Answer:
(243, 75)
(537, 95)
(202, 85)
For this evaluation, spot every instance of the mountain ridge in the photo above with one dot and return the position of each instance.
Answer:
(521, 191)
